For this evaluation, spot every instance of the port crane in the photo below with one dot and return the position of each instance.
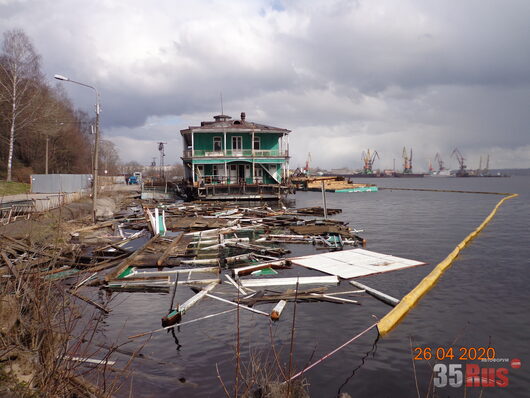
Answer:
(438, 158)
(462, 166)
(485, 170)
(407, 161)
(369, 158)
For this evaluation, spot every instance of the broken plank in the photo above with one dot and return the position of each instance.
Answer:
(176, 314)
(89, 301)
(233, 282)
(12, 268)
(90, 360)
(167, 252)
(129, 260)
(327, 296)
(209, 261)
(173, 272)
(236, 304)
(306, 280)
(385, 298)
(277, 310)
(95, 226)
(250, 268)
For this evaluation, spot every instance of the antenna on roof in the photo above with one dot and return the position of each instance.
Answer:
(221, 97)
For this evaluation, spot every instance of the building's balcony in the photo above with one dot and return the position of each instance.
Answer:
(224, 180)
(199, 153)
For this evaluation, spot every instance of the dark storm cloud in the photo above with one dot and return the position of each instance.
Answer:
(342, 75)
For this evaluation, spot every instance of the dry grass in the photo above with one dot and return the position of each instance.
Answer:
(41, 327)
(13, 188)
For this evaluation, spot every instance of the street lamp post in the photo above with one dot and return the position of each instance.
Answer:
(96, 145)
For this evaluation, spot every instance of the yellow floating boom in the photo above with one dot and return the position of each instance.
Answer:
(390, 320)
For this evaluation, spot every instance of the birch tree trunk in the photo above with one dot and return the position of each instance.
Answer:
(21, 71)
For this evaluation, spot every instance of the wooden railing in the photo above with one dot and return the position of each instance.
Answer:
(235, 153)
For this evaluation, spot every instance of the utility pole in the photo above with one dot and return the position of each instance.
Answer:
(95, 178)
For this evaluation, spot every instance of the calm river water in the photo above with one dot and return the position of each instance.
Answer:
(481, 301)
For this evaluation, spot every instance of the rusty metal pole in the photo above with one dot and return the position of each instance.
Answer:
(95, 178)
(324, 200)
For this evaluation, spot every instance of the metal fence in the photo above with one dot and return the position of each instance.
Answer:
(59, 183)
(23, 208)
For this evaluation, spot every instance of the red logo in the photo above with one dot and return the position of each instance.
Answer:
(485, 377)
(515, 363)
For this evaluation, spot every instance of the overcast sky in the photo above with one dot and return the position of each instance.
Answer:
(344, 76)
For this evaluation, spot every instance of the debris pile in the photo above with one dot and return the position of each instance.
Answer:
(161, 247)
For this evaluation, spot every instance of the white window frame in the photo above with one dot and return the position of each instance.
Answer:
(257, 140)
(237, 139)
(218, 140)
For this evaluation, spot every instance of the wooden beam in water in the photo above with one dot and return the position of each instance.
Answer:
(385, 298)
(167, 252)
(236, 304)
(307, 280)
(176, 314)
(277, 310)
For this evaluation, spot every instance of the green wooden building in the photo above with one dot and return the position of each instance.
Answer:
(236, 158)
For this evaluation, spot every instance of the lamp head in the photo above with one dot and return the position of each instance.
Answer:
(61, 77)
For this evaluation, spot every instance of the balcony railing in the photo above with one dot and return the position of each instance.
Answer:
(235, 153)
(218, 179)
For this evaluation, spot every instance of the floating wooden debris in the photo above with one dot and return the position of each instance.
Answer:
(89, 301)
(315, 294)
(264, 272)
(256, 267)
(238, 287)
(169, 249)
(306, 280)
(129, 260)
(142, 274)
(176, 314)
(244, 307)
(277, 310)
(92, 361)
(385, 298)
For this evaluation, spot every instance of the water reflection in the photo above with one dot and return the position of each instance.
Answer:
(372, 351)
(175, 338)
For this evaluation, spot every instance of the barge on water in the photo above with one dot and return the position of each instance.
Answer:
(235, 160)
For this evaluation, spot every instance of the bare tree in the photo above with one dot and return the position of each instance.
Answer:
(108, 157)
(131, 166)
(19, 86)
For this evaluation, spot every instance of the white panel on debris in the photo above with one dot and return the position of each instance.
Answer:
(354, 263)
(305, 280)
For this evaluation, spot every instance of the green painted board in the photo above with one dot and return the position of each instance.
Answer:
(60, 275)
(127, 271)
(264, 271)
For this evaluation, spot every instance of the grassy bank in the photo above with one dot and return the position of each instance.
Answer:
(13, 188)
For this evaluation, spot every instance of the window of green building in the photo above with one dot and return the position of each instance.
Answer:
(217, 144)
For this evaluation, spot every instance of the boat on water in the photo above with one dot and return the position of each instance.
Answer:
(331, 184)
